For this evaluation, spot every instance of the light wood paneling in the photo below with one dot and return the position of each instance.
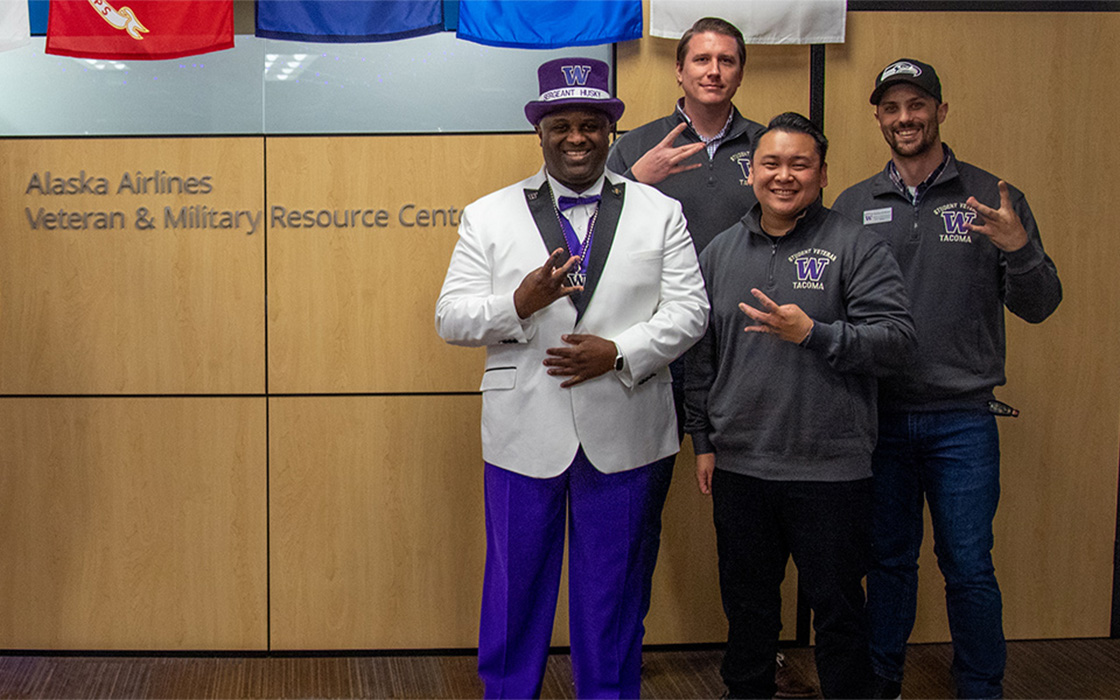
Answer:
(351, 309)
(776, 79)
(376, 520)
(140, 523)
(686, 605)
(378, 537)
(125, 310)
(1025, 102)
(132, 524)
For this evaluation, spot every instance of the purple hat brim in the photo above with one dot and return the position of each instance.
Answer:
(537, 109)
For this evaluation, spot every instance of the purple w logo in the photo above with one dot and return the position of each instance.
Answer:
(955, 220)
(576, 75)
(810, 269)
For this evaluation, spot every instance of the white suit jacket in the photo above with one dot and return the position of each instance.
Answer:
(644, 292)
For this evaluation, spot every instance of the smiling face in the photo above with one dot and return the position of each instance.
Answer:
(787, 176)
(910, 119)
(711, 71)
(575, 144)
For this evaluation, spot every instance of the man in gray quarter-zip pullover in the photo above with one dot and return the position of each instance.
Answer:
(782, 413)
(967, 245)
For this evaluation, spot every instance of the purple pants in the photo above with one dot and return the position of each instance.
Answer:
(607, 515)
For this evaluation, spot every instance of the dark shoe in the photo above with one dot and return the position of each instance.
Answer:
(790, 685)
(885, 689)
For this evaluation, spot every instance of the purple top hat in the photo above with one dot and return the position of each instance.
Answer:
(574, 82)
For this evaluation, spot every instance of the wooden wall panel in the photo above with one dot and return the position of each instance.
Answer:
(139, 523)
(351, 309)
(776, 79)
(124, 310)
(133, 524)
(376, 520)
(1025, 102)
(378, 537)
(686, 607)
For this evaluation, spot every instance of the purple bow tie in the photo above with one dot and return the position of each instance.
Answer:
(566, 203)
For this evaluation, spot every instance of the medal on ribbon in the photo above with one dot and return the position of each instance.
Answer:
(578, 278)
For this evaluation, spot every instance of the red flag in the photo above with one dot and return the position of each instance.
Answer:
(139, 29)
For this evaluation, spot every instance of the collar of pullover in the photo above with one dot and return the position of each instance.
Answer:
(736, 124)
(808, 217)
(884, 183)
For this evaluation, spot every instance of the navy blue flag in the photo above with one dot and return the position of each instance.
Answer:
(549, 24)
(343, 21)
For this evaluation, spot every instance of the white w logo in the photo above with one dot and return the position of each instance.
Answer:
(576, 75)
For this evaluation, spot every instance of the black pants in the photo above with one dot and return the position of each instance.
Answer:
(825, 526)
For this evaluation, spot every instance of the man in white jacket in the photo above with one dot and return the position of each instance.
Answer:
(583, 286)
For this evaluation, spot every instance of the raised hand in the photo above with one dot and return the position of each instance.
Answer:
(545, 284)
(787, 321)
(1002, 226)
(664, 159)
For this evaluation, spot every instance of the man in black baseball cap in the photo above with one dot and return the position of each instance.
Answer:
(968, 246)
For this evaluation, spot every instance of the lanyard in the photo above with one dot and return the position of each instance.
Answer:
(579, 277)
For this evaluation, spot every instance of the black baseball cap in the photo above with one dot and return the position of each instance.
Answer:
(907, 70)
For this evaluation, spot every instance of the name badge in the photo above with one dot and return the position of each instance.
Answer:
(877, 216)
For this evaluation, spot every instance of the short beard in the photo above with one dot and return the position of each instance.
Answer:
(920, 149)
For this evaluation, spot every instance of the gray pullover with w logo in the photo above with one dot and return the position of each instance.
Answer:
(958, 283)
(776, 410)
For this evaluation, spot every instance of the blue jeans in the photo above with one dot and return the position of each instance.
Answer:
(949, 459)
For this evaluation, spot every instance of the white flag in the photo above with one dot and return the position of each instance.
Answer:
(15, 24)
(761, 21)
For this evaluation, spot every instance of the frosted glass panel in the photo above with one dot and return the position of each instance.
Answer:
(215, 93)
(429, 84)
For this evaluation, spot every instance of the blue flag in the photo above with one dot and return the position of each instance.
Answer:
(38, 10)
(343, 21)
(549, 24)
(450, 15)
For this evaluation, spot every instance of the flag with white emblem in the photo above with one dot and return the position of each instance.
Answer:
(761, 21)
(139, 29)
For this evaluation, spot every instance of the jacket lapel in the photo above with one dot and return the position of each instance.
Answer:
(544, 215)
(610, 209)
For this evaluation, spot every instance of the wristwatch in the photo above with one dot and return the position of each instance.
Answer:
(619, 360)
